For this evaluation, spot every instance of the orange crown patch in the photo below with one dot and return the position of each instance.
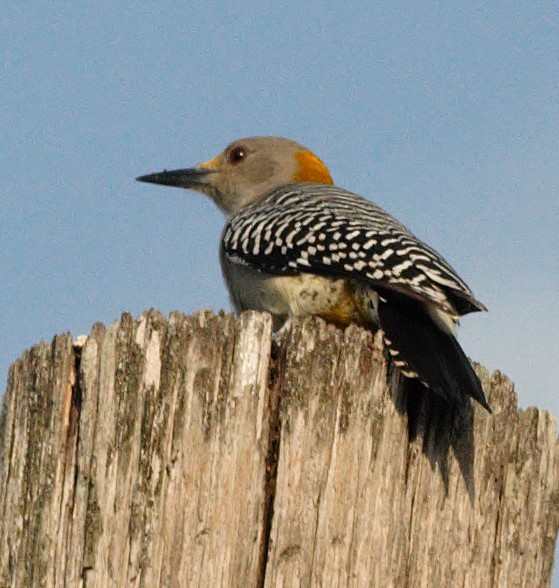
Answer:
(311, 169)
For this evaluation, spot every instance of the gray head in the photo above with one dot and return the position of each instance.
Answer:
(246, 171)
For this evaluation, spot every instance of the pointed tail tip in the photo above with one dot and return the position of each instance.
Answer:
(487, 407)
(481, 400)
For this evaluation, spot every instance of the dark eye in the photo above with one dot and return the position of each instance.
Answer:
(236, 155)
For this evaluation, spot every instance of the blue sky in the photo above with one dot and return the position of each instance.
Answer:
(446, 114)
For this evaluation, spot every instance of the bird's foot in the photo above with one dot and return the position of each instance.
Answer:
(280, 334)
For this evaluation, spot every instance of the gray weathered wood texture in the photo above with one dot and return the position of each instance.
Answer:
(182, 452)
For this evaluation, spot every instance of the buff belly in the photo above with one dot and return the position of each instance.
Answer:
(334, 300)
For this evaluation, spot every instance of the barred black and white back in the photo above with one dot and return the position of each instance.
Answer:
(327, 231)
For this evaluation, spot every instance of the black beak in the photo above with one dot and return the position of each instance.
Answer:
(181, 178)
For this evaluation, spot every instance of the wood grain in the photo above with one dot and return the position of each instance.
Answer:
(190, 451)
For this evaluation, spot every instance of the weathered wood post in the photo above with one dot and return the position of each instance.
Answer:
(179, 452)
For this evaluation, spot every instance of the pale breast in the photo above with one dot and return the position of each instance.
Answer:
(285, 296)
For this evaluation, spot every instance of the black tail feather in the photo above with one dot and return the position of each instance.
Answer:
(419, 346)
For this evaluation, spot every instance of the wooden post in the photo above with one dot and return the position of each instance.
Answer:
(184, 452)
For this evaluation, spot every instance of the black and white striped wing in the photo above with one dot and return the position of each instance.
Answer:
(325, 230)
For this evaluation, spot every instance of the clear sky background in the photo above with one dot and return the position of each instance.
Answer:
(444, 113)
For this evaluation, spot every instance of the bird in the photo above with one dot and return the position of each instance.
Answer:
(295, 244)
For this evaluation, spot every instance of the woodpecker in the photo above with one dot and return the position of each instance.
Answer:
(294, 244)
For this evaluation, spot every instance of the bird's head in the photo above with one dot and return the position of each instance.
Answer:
(246, 171)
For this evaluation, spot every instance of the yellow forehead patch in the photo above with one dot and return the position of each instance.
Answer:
(211, 164)
(311, 169)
